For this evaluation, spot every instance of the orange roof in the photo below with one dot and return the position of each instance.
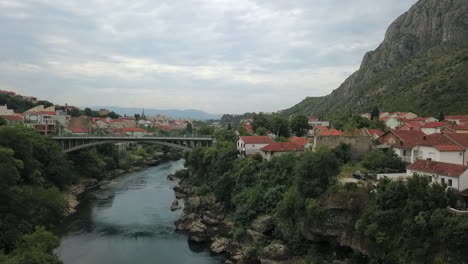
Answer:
(256, 139)
(13, 117)
(461, 139)
(301, 141)
(440, 168)
(133, 129)
(282, 147)
(460, 127)
(78, 130)
(435, 124)
(377, 132)
(332, 132)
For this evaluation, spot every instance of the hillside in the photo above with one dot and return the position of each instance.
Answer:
(421, 66)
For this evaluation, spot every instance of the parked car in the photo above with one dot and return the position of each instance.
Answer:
(359, 176)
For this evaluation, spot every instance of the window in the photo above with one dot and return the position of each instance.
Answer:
(404, 153)
(450, 183)
(442, 180)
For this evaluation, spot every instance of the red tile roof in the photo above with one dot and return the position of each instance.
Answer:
(460, 127)
(435, 124)
(78, 130)
(457, 117)
(133, 129)
(441, 142)
(332, 132)
(13, 117)
(301, 141)
(377, 132)
(321, 127)
(461, 139)
(282, 147)
(448, 148)
(420, 119)
(410, 138)
(440, 168)
(256, 139)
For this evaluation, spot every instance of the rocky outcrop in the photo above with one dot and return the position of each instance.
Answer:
(220, 245)
(176, 205)
(402, 64)
(263, 224)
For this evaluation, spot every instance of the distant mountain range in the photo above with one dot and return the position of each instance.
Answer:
(172, 113)
(421, 66)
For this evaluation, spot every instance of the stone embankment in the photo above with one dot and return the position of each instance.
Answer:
(206, 220)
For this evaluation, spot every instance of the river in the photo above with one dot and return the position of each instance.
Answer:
(130, 222)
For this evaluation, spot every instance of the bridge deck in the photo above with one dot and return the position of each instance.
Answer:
(132, 138)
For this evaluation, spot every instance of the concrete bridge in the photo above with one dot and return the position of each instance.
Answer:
(72, 143)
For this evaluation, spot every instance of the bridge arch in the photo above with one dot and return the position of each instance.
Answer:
(70, 144)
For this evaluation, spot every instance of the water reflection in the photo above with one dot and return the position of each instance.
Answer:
(130, 222)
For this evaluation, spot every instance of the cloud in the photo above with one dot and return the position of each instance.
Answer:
(188, 54)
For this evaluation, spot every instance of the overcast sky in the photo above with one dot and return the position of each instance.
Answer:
(221, 56)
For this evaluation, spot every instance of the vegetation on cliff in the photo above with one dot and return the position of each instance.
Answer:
(390, 222)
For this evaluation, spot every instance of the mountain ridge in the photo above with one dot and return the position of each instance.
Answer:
(432, 29)
(172, 113)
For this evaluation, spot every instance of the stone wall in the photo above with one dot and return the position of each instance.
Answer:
(360, 145)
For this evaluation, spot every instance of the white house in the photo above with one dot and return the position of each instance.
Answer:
(134, 131)
(454, 175)
(250, 145)
(4, 111)
(392, 122)
(433, 127)
(276, 149)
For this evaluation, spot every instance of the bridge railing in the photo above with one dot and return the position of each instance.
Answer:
(186, 137)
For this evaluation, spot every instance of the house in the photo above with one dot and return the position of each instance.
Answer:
(317, 130)
(302, 141)
(276, 149)
(330, 132)
(4, 111)
(374, 133)
(8, 93)
(134, 131)
(457, 119)
(13, 119)
(438, 147)
(78, 131)
(461, 140)
(453, 175)
(411, 125)
(423, 120)
(433, 127)
(250, 145)
(42, 119)
(407, 115)
(463, 129)
(391, 121)
(402, 142)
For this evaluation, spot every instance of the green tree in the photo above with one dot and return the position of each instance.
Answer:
(260, 120)
(441, 116)
(300, 125)
(229, 126)
(375, 114)
(315, 171)
(36, 248)
(383, 161)
(280, 125)
(261, 131)
(3, 122)
(189, 128)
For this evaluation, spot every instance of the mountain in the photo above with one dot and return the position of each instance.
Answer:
(421, 66)
(173, 113)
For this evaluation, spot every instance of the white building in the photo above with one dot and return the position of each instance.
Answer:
(276, 149)
(453, 175)
(433, 127)
(4, 111)
(134, 131)
(250, 145)
(392, 122)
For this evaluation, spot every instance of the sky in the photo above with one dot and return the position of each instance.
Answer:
(219, 56)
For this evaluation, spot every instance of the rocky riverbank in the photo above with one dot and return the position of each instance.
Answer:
(73, 192)
(206, 220)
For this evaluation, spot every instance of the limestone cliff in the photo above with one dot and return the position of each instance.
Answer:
(421, 66)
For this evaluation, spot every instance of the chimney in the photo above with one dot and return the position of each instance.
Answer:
(428, 162)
